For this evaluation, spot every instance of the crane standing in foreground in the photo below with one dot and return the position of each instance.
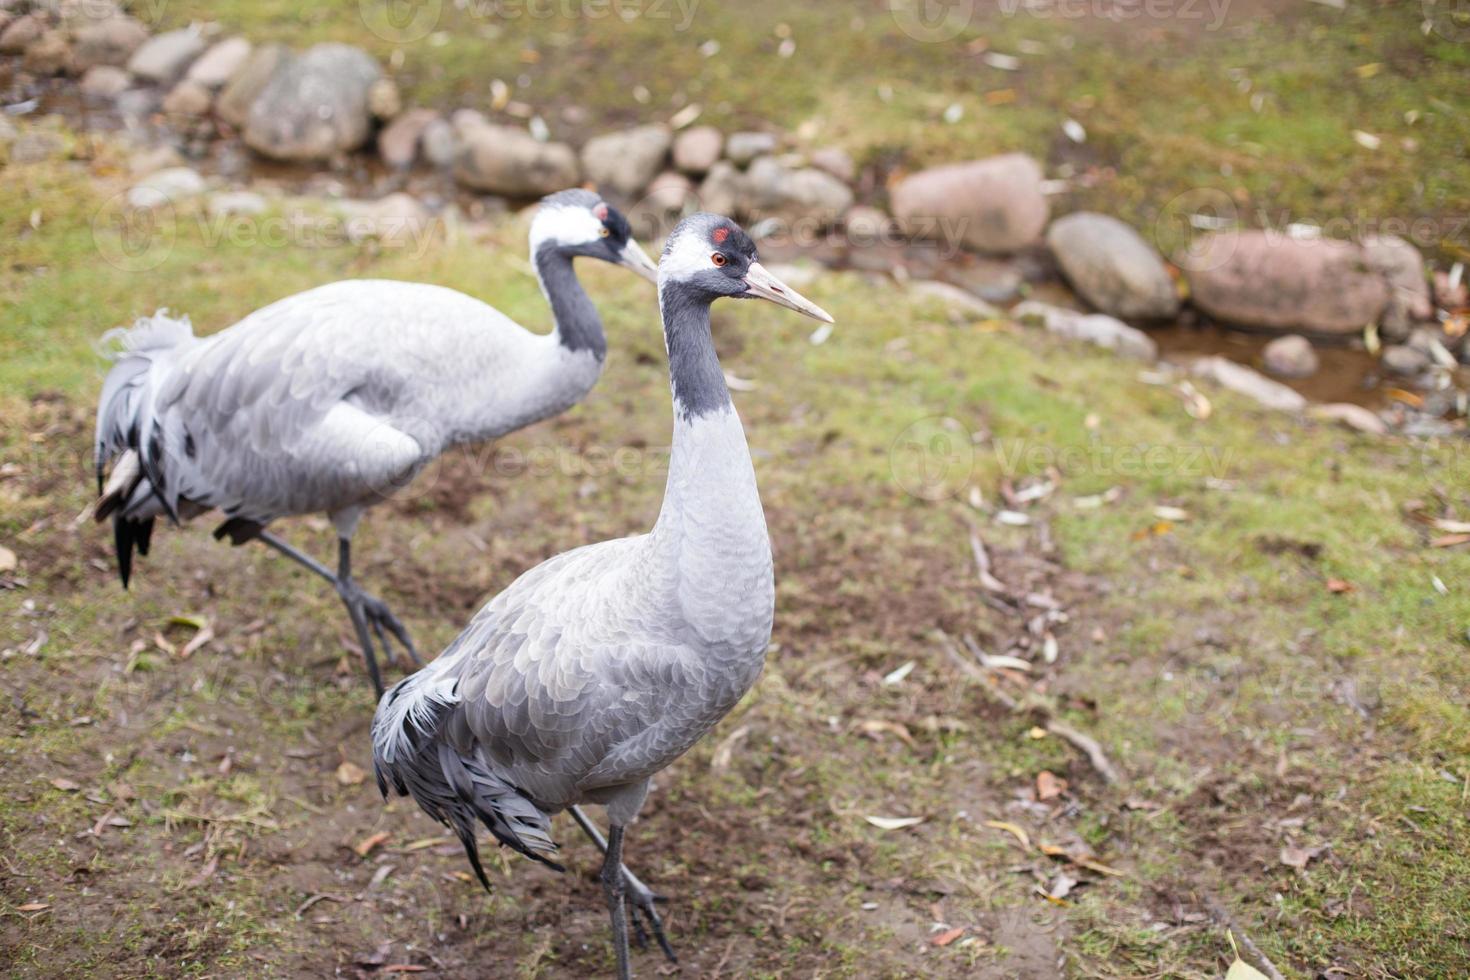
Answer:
(600, 667)
(330, 400)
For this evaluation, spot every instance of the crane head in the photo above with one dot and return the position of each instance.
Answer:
(580, 223)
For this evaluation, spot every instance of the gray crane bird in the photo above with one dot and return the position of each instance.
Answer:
(598, 668)
(330, 400)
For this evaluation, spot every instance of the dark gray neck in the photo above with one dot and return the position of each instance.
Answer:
(578, 326)
(694, 367)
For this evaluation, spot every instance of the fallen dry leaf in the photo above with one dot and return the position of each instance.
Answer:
(8, 560)
(1013, 830)
(366, 846)
(1241, 970)
(350, 774)
(1340, 586)
(33, 907)
(1049, 786)
(894, 823)
(203, 636)
(1299, 857)
(65, 785)
(1449, 541)
(878, 726)
(1061, 886)
(404, 968)
(948, 936)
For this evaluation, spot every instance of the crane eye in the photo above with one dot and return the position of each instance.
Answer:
(718, 258)
(604, 231)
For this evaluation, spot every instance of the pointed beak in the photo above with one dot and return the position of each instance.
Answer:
(761, 284)
(633, 257)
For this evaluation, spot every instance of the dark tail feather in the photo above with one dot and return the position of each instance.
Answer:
(143, 536)
(124, 534)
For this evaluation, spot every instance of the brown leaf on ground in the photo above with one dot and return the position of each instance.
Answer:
(1049, 786)
(368, 844)
(350, 774)
(1299, 857)
(876, 726)
(1010, 828)
(948, 936)
(33, 907)
(1339, 586)
(8, 561)
(65, 785)
(404, 968)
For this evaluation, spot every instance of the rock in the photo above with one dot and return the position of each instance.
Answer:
(1265, 280)
(1291, 356)
(624, 163)
(722, 189)
(867, 226)
(957, 300)
(509, 161)
(400, 220)
(1097, 329)
(154, 159)
(315, 106)
(837, 162)
(105, 82)
(1112, 267)
(994, 205)
(220, 63)
(1404, 360)
(188, 99)
(697, 149)
(794, 196)
(136, 104)
(1401, 265)
(742, 148)
(162, 59)
(1353, 416)
(50, 54)
(398, 143)
(384, 100)
(668, 193)
(22, 33)
(108, 42)
(241, 91)
(235, 202)
(1252, 384)
(440, 144)
(166, 187)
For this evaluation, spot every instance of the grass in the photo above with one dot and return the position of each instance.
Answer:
(1253, 702)
(1249, 111)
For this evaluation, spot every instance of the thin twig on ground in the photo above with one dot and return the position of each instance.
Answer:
(986, 678)
(1243, 942)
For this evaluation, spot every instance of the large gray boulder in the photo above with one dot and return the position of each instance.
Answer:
(994, 205)
(1112, 267)
(698, 149)
(808, 196)
(315, 106)
(1097, 329)
(220, 63)
(162, 59)
(509, 161)
(1402, 267)
(1246, 381)
(245, 86)
(1261, 279)
(625, 163)
(107, 42)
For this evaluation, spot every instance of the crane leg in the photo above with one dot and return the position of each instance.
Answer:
(613, 887)
(639, 895)
(370, 615)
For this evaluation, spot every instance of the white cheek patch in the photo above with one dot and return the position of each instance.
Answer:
(564, 226)
(686, 256)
